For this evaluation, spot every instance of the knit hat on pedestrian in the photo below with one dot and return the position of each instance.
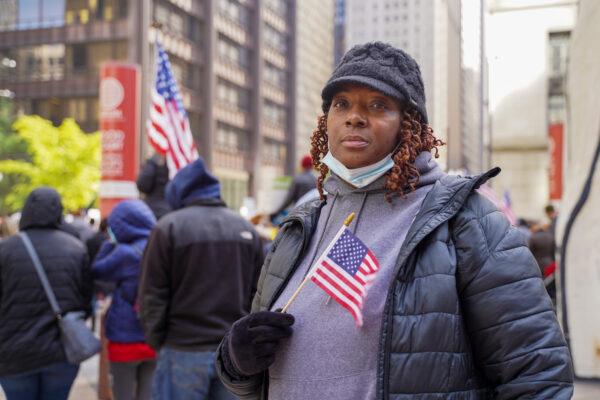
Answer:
(192, 183)
(382, 67)
(306, 162)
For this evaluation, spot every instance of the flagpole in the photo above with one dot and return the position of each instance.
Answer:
(347, 222)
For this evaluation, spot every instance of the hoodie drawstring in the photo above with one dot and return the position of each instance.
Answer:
(359, 212)
(322, 236)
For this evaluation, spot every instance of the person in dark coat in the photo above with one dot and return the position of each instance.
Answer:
(541, 244)
(543, 248)
(199, 272)
(151, 182)
(132, 361)
(94, 243)
(301, 184)
(32, 360)
(457, 308)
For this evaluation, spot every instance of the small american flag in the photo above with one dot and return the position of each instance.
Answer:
(507, 208)
(168, 126)
(345, 271)
(504, 204)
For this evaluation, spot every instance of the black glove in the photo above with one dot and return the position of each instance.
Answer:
(252, 342)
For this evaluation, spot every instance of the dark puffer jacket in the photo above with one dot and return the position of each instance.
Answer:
(467, 316)
(152, 180)
(131, 222)
(29, 335)
(200, 266)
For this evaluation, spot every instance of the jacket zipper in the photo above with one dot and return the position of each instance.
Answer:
(388, 313)
(295, 265)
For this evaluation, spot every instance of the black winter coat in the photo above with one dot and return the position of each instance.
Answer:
(29, 335)
(151, 181)
(199, 272)
(467, 316)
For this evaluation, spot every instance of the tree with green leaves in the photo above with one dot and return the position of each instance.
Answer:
(63, 157)
(12, 147)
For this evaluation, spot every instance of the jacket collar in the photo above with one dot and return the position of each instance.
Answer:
(444, 200)
(211, 202)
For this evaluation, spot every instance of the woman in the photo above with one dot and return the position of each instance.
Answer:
(457, 309)
(32, 361)
(132, 361)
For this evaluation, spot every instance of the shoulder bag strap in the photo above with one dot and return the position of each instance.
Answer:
(41, 274)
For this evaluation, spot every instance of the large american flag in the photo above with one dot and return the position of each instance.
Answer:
(345, 271)
(168, 127)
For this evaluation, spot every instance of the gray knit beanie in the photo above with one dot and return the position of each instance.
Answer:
(382, 67)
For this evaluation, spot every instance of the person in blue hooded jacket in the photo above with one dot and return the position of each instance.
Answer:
(132, 361)
(199, 274)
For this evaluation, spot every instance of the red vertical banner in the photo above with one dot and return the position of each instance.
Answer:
(119, 125)
(556, 133)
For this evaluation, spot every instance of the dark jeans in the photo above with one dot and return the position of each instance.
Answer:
(132, 380)
(183, 375)
(50, 383)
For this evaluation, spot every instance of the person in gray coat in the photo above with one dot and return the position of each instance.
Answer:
(457, 309)
(301, 184)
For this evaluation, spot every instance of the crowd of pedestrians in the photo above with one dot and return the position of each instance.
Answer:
(457, 308)
(541, 240)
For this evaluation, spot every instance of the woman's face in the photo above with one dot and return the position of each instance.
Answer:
(362, 125)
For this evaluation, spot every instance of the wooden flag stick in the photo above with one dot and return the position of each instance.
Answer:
(347, 222)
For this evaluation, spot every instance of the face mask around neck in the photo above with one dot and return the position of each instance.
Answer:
(359, 177)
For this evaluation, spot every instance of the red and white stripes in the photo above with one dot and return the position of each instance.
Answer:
(348, 290)
(169, 133)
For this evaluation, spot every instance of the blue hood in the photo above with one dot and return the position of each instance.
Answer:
(131, 220)
(192, 183)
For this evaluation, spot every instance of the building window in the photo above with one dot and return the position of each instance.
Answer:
(82, 12)
(31, 14)
(273, 150)
(274, 113)
(161, 14)
(231, 138)
(80, 56)
(234, 11)
(232, 52)
(278, 6)
(275, 39)
(192, 28)
(559, 46)
(274, 75)
(45, 62)
(171, 19)
(233, 95)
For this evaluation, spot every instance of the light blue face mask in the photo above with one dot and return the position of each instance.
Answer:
(112, 236)
(359, 177)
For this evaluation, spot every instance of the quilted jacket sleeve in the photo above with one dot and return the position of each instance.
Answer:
(154, 290)
(517, 343)
(251, 387)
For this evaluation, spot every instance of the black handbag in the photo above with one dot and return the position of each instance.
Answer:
(78, 341)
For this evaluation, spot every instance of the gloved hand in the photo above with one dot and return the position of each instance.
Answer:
(252, 342)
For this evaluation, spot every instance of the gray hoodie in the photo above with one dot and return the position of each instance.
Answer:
(328, 357)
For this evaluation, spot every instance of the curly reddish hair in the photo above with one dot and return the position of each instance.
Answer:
(414, 137)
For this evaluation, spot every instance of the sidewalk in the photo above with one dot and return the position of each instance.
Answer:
(86, 384)
(585, 390)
